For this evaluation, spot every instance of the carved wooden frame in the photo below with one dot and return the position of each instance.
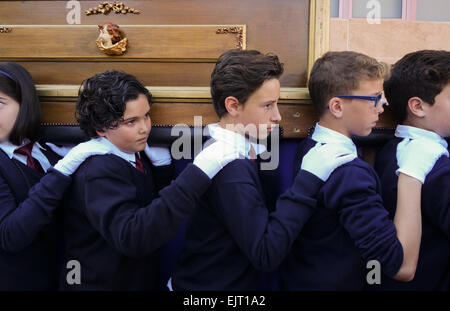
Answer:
(170, 102)
(239, 31)
(319, 30)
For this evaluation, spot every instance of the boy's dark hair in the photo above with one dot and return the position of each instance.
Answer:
(339, 73)
(102, 100)
(240, 73)
(18, 84)
(420, 74)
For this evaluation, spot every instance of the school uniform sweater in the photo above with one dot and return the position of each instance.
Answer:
(115, 221)
(433, 267)
(348, 227)
(29, 233)
(232, 235)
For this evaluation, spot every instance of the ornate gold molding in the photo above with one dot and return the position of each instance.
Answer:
(106, 7)
(240, 34)
(5, 29)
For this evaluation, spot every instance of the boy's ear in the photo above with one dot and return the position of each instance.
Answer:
(335, 107)
(232, 105)
(416, 107)
(101, 134)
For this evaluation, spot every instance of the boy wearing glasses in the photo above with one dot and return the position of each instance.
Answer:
(349, 229)
(419, 94)
(234, 235)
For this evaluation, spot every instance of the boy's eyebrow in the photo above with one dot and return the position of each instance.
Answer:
(125, 120)
(3, 97)
(131, 118)
(270, 101)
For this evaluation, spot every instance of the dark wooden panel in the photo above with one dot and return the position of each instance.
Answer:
(149, 73)
(157, 74)
(280, 27)
(161, 114)
(144, 42)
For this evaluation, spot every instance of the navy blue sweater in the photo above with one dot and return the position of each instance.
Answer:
(114, 221)
(433, 267)
(28, 226)
(232, 234)
(348, 228)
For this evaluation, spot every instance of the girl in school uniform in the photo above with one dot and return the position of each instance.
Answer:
(30, 188)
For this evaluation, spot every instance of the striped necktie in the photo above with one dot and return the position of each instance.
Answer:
(139, 165)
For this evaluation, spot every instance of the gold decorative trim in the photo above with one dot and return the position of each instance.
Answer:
(319, 31)
(161, 93)
(106, 7)
(240, 32)
(5, 29)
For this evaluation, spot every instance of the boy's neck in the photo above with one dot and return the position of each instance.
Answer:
(229, 124)
(417, 123)
(335, 125)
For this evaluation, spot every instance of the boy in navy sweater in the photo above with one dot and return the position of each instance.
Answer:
(349, 229)
(418, 92)
(233, 235)
(114, 220)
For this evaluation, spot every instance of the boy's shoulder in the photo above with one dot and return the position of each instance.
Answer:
(440, 172)
(239, 171)
(305, 145)
(104, 165)
(386, 159)
(356, 164)
(354, 177)
(302, 149)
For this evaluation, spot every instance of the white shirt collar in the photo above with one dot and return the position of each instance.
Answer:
(115, 150)
(325, 135)
(241, 143)
(9, 148)
(405, 131)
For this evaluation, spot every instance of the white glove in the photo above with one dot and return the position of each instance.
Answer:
(416, 157)
(323, 159)
(79, 153)
(159, 156)
(214, 157)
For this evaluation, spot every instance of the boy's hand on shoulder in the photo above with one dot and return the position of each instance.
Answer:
(79, 154)
(323, 159)
(159, 156)
(416, 157)
(214, 157)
